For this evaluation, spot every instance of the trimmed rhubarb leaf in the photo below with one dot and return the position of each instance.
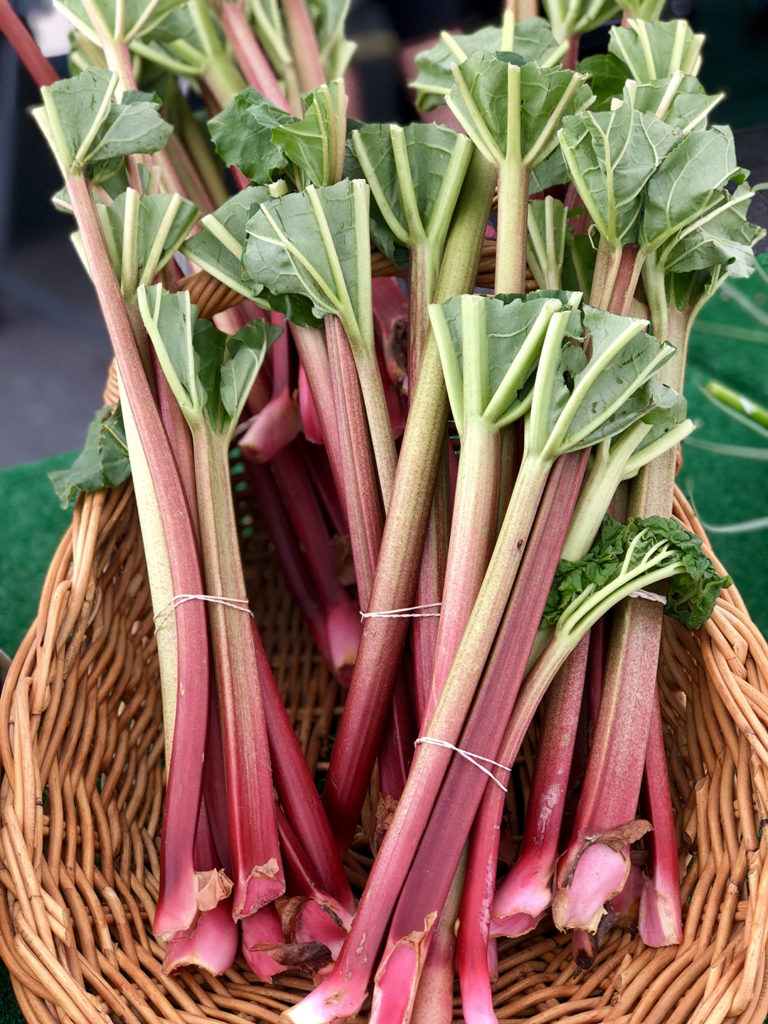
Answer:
(218, 249)
(317, 243)
(690, 183)
(218, 246)
(575, 17)
(482, 95)
(209, 372)
(415, 174)
(611, 155)
(547, 229)
(85, 125)
(103, 462)
(648, 10)
(658, 49)
(315, 143)
(680, 101)
(726, 237)
(135, 17)
(489, 348)
(643, 546)
(590, 399)
(242, 135)
(533, 41)
(147, 229)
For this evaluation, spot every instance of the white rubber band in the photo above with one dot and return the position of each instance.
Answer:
(237, 603)
(416, 611)
(648, 595)
(476, 759)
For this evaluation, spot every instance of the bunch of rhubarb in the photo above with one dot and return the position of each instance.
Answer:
(493, 454)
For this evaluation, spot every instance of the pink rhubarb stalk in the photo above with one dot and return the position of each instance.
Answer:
(660, 909)
(596, 862)
(177, 907)
(526, 893)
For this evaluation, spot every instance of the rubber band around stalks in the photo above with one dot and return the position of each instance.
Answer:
(81, 742)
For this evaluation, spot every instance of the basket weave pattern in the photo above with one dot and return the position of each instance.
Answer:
(81, 742)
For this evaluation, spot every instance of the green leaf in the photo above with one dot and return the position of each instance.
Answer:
(588, 399)
(489, 347)
(484, 89)
(209, 372)
(103, 461)
(317, 243)
(680, 101)
(648, 10)
(575, 17)
(658, 49)
(126, 20)
(533, 41)
(579, 264)
(242, 135)
(415, 174)
(691, 181)
(610, 156)
(642, 549)
(724, 237)
(315, 144)
(154, 225)
(607, 75)
(218, 249)
(218, 246)
(85, 125)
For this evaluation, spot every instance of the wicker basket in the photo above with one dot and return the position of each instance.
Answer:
(81, 743)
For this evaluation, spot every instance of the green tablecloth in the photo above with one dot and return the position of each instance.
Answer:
(729, 344)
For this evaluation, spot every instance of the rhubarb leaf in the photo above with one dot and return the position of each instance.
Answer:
(218, 249)
(135, 17)
(317, 243)
(658, 49)
(489, 348)
(84, 125)
(218, 246)
(484, 89)
(643, 548)
(726, 237)
(610, 156)
(575, 17)
(415, 174)
(147, 229)
(691, 182)
(209, 372)
(315, 144)
(242, 135)
(596, 397)
(547, 220)
(679, 101)
(533, 41)
(103, 461)
(607, 76)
